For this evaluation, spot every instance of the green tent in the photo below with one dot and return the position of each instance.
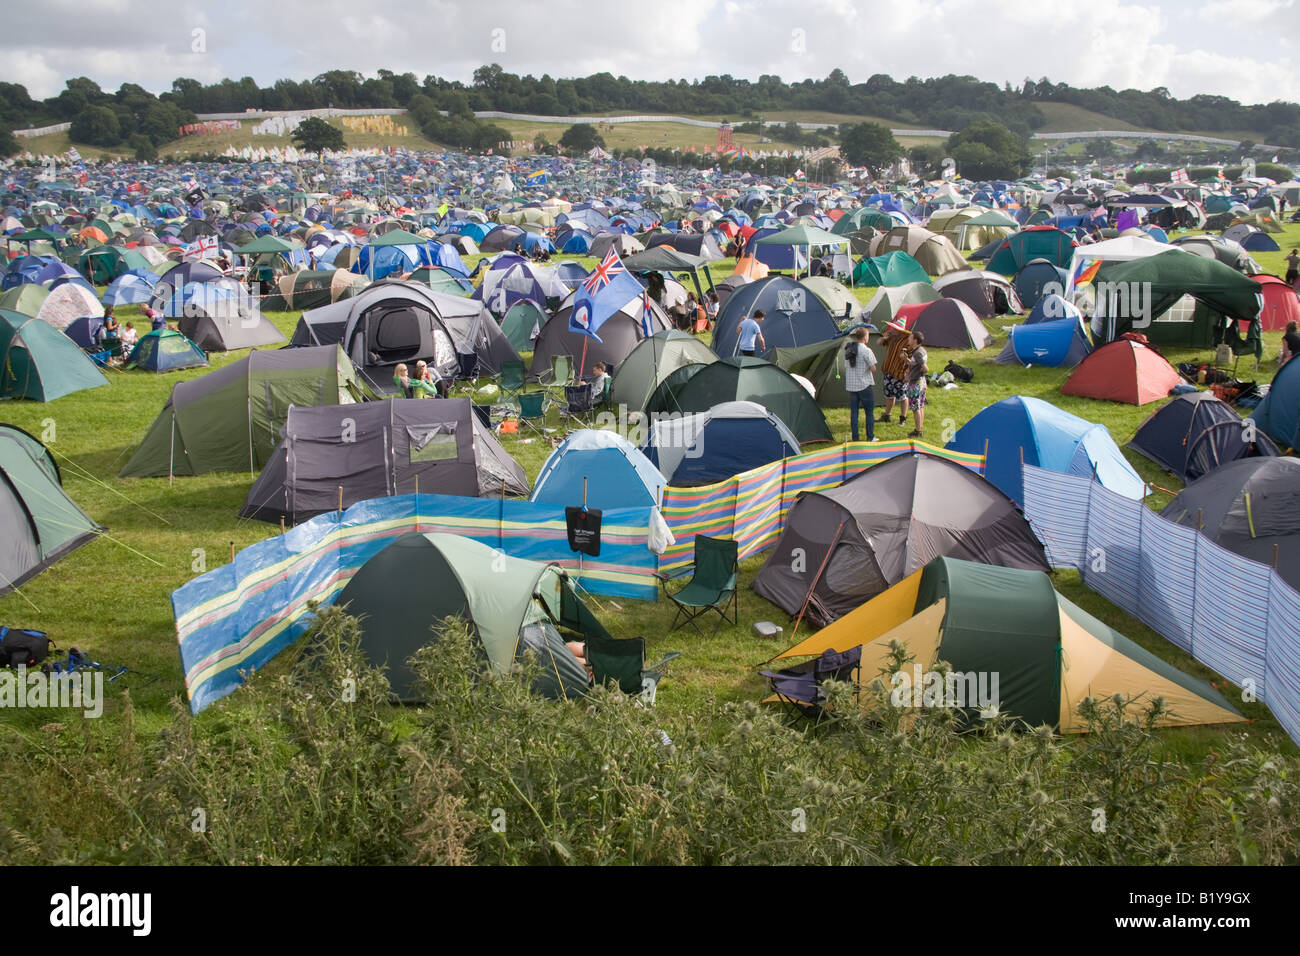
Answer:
(513, 606)
(267, 245)
(440, 280)
(38, 521)
(822, 363)
(868, 217)
(652, 361)
(26, 298)
(519, 323)
(231, 418)
(1173, 274)
(1011, 640)
(698, 387)
(39, 362)
(102, 264)
(398, 237)
(892, 269)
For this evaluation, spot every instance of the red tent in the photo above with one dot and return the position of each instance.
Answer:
(1280, 303)
(946, 324)
(1123, 371)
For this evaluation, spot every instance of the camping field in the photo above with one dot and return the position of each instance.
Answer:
(111, 598)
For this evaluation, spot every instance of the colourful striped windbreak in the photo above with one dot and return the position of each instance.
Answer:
(751, 507)
(236, 618)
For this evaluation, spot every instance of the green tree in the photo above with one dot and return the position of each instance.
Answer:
(988, 150)
(314, 135)
(97, 126)
(869, 144)
(143, 148)
(8, 141)
(580, 137)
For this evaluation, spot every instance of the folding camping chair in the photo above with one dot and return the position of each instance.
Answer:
(513, 378)
(580, 404)
(800, 688)
(532, 410)
(468, 366)
(560, 376)
(622, 662)
(712, 586)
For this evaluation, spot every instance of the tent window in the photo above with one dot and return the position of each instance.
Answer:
(432, 442)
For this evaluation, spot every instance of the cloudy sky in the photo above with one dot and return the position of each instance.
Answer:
(1246, 49)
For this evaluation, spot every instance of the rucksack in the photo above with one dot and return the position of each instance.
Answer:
(960, 372)
(19, 646)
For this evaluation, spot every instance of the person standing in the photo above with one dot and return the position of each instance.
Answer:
(751, 334)
(917, 370)
(859, 361)
(1290, 342)
(894, 370)
(1293, 269)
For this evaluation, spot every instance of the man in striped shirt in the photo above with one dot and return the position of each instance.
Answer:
(894, 369)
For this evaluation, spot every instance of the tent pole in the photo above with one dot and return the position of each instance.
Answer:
(340, 501)
(501, 519)
(817, 577)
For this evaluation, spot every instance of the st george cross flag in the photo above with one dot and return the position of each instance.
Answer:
(609, 287)
(1179, 176)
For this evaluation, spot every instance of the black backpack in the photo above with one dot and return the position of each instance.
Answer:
(19, 646)
(960, 372)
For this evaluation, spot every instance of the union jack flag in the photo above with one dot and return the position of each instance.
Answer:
(604, 273)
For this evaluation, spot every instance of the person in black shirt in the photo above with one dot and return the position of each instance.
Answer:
(1290, 342)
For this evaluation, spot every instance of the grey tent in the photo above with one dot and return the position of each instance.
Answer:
(987, 293)
(624, 244)
(884, 523)
(794, 316)
(222, 330)
(884, 305)
(822, 363)
(1249, 507)
(230, 419)
(378, 449)
(653, 360)
(619, 334)
(38, 521)
(394, 322)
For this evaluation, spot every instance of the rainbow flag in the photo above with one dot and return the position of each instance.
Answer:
(1086, 272)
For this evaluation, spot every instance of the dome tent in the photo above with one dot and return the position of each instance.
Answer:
(883, 524)
(165, 350)
(512, 607)
(651, 361)
(1021, 429)
(1123, 371)
(720, 443)
(794, 316)
(602, 465)
(697, 388)
(619, 335)
(39, 362)
(1194, 433)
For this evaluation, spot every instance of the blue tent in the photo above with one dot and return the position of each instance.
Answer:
(85, 331)
(528, 243)
(720, 443)
(1196, 432)
(1048, 438)
(615, 473)
(1278, 415)
(776, 256)
(1054, 343)
(131, 288)
(574, 241)
(1032, 280)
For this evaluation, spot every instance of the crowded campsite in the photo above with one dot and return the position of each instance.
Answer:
(640, 482)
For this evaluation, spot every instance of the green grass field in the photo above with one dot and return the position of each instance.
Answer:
(111, 598)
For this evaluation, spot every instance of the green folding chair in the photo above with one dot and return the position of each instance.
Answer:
(561, 373)
(622, 662)
(532, 410)
(513, 378)
(712, 586)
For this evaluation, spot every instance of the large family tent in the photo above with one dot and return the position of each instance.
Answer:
(884, 305)
(1123, 371)
(313, 288)
(1048, 653)
(1119, 249)
(726, 440)
(652, 361)
(1249, 507)
(987, 293)
(936, 254)
(512, 607)
(794, 316)
(1022, 430)
(231, 418)
(697, 388)
(394, 322)
(39, 362)
(845, 545)
(946, 324)
(38, 521)
(602, 465)
(1278, 415)
(1281, 305)
(1056, 342)
(1195, 433)
(165, 350)
(822, 364)
(618, 335)
(66, 303)
(379, 449)
(891, 269)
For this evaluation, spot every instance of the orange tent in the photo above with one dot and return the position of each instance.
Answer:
(93, 232)
(750, 267)
(1123, 371)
